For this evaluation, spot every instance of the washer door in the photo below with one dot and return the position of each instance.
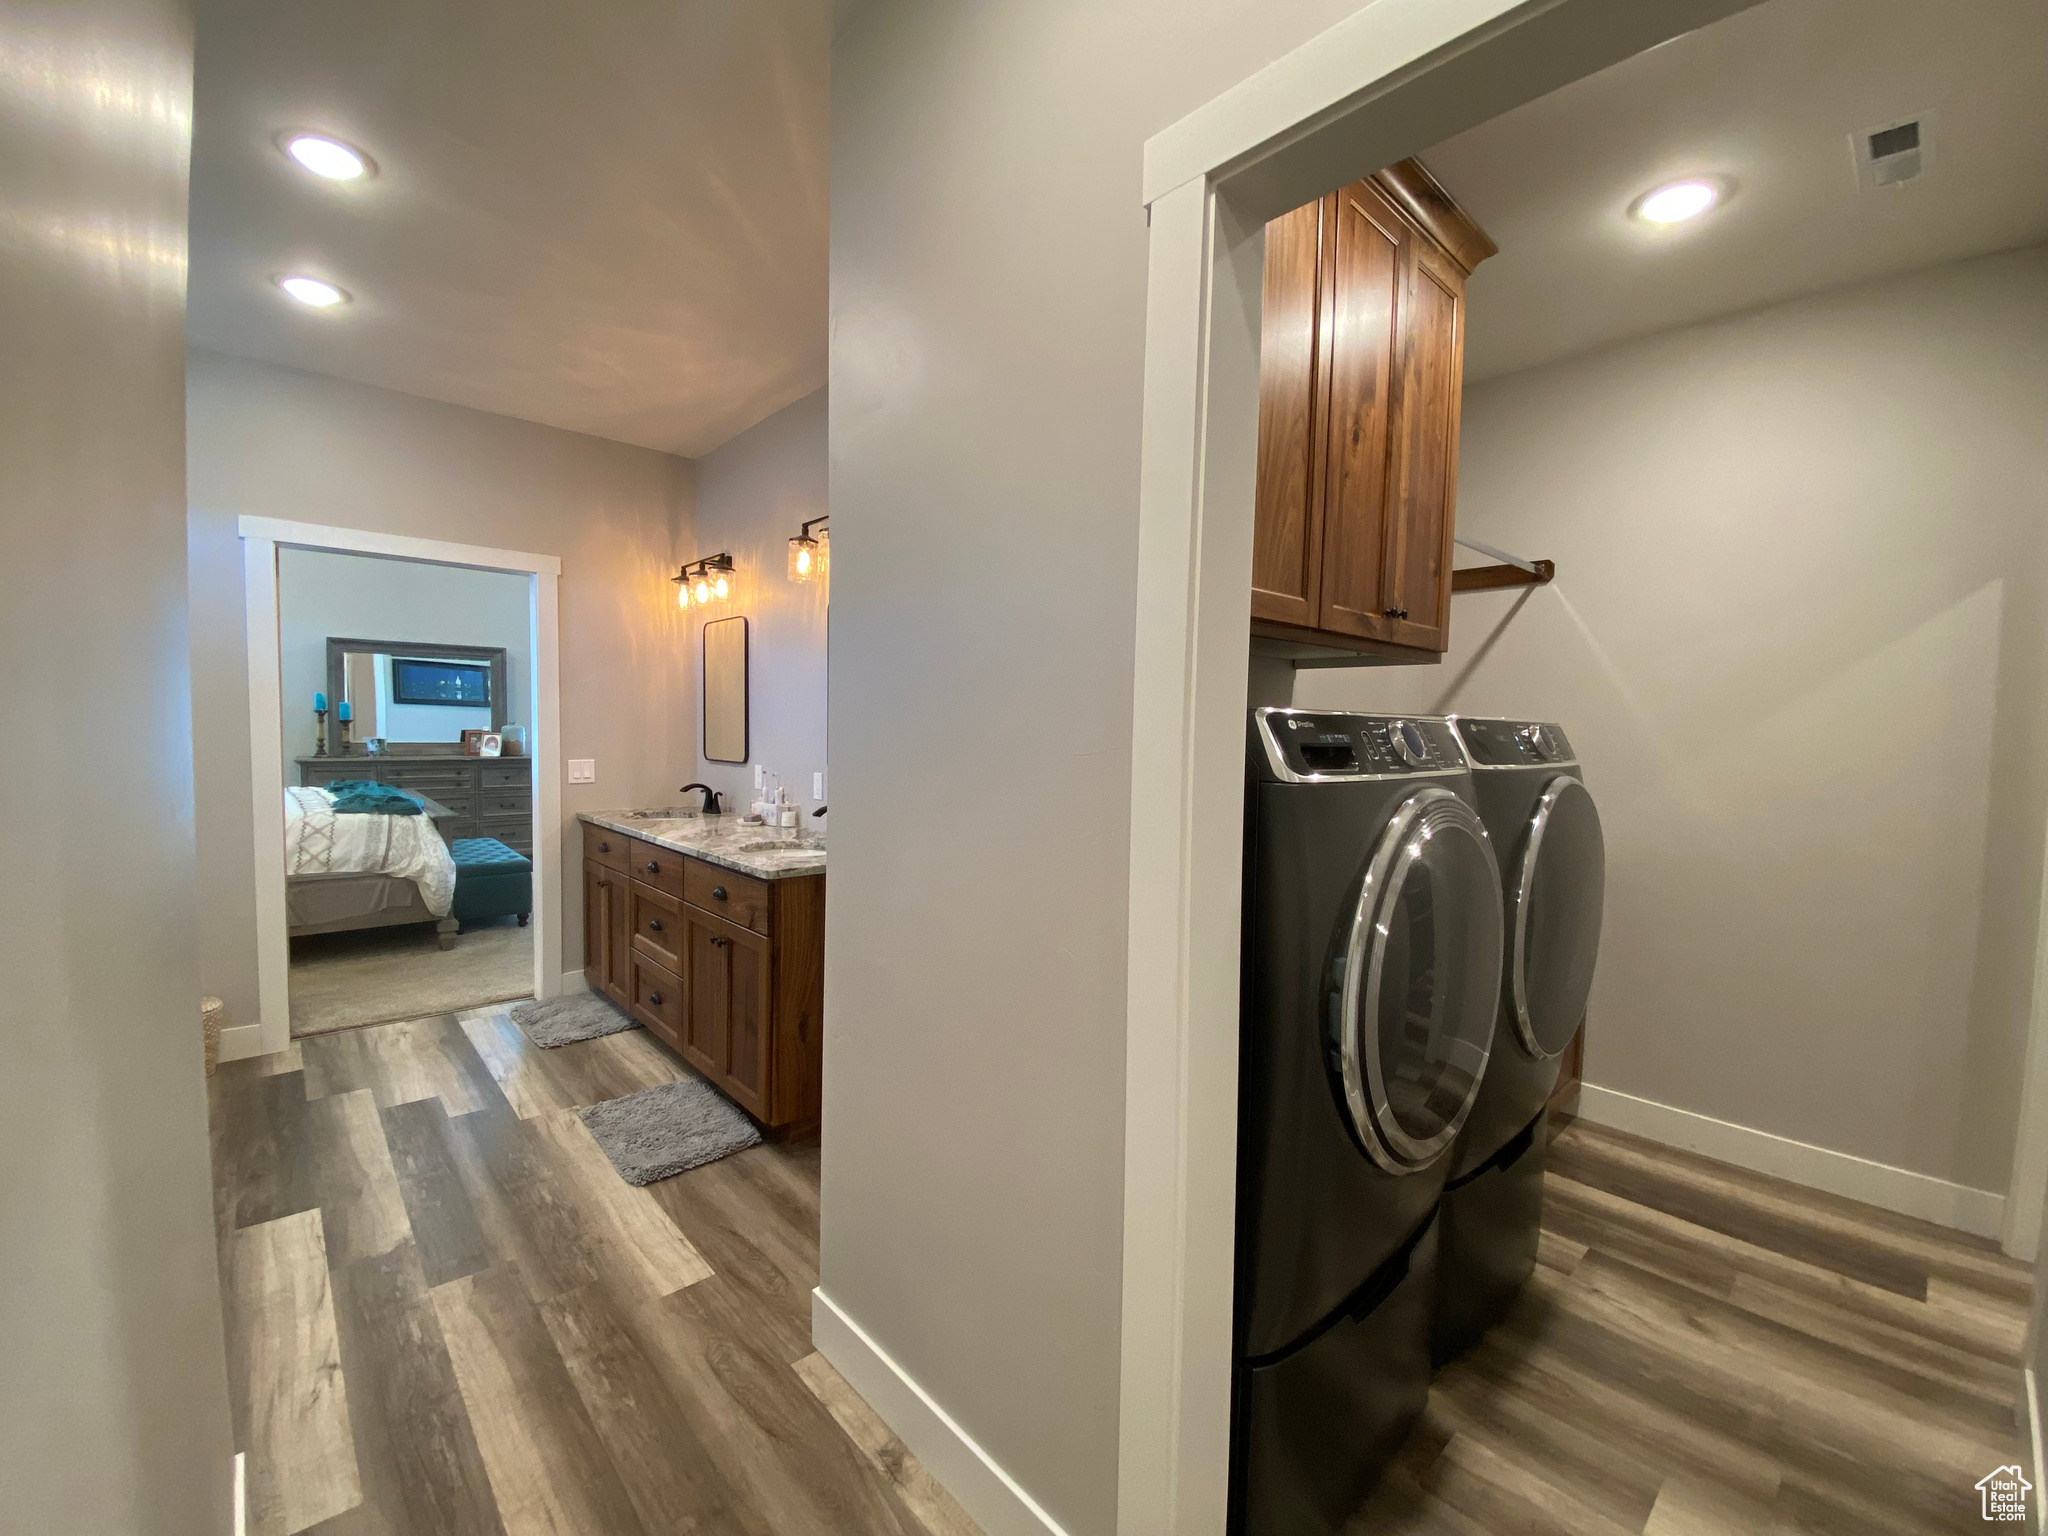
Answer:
(1554, 911)
(1413, 982)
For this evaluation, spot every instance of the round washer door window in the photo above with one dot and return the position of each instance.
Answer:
(1554, 909)
(1415, 980)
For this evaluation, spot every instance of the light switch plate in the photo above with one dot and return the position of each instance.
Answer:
(817, 786)
(582, 770)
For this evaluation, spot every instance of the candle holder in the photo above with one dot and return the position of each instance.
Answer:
(343, 725)
(320, 733)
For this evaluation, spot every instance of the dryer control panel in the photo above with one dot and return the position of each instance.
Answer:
(1310, 745)
(1513, 743)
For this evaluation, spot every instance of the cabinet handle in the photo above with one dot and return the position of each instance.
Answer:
(654, 925)
(718, 893)
(720, 940)
(653, 868)
(654, 998)
(1396, 613)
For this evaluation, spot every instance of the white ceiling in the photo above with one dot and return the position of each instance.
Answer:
(605, 217)
(1768, 98)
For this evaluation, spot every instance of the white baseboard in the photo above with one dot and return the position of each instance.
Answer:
(998, 1504)
(574, 982)
(240, 1041)
(1976, 1211)
(241, 1494)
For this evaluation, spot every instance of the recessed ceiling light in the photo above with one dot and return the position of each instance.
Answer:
(312, 292)
(1678, 201)
(327, 157)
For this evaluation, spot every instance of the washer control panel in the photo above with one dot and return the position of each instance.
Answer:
(1513, 743)
(1316, 744)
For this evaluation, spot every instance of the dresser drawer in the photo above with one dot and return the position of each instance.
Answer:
(504, 802)
(654, 996)
(515, 833)
(492, 775)
(320, 772)
(614, 850)
(655, 919)
(735, 897)
(657, 867)
(429, 778)
(461, 803)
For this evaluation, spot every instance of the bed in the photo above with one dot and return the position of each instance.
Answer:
(345, 872)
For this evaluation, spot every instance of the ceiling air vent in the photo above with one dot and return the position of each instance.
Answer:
(1895, 153)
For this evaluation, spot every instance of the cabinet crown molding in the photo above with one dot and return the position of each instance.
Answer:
(1422, 197)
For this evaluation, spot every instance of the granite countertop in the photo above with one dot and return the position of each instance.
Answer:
(767, 853)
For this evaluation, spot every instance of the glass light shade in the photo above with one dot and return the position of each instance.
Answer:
(721, 585)
(805, 559)
(700, 589)
(682, 594)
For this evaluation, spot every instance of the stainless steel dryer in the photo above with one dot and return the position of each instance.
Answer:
(1546, 831)
(1371, 971)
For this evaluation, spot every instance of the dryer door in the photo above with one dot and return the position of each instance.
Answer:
(1413, 982)
(1554, 907)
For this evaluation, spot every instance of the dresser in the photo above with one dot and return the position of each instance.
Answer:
(486, 796)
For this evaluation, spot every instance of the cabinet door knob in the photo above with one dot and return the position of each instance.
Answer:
(718, 893)
(654, 925)
(604, 847)
(720, 940)
(654, 998)
(653, 868)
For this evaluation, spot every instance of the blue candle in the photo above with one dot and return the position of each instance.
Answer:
(344, 711)
(319, 702)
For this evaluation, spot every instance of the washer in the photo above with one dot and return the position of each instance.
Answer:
(1546, 830)
(1371, 971)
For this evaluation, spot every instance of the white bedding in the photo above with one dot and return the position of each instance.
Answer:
(318, 842)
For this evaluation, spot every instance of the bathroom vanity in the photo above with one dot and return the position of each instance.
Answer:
(712, 935)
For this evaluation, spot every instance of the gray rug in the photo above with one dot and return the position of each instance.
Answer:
(565, 1020)
(660, 1132)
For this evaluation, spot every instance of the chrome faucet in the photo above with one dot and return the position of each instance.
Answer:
(712, 807)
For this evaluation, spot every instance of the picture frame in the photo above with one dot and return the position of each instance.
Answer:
(473, 742)
(492, 745)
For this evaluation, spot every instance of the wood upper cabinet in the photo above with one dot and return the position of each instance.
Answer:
(1360, 371)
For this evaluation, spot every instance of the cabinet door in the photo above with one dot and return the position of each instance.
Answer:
(1422, 508)
(618, 941)
(1287, 528)
(725, 1028)
(597, 924)
(1370, 242)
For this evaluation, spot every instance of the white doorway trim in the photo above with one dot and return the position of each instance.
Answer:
(2026, 1189)
(262, 537)
(1392, 79)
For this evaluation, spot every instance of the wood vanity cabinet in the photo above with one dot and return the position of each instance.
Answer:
(728, 969)
(1361, 369)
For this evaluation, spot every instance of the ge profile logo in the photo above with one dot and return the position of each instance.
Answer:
(2005, 1491)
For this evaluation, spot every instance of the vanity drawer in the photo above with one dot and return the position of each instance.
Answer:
(656, 921)
(601, 845)
(657, 867)
(501, 776)
(654, 996)
(504, 802)
(735, 897)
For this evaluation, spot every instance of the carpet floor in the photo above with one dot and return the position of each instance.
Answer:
(372, 976)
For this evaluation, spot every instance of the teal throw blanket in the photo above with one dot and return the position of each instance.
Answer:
(354, 797)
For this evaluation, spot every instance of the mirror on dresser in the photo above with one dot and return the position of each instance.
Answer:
(416, 699)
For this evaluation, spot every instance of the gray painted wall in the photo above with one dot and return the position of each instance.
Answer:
(113, 1381)
(276, 443)
(1800, 636)
(988, 298)
(321, 594)
(753, 495)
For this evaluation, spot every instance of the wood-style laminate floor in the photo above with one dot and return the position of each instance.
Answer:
(447, 1315)
(1709, 1352)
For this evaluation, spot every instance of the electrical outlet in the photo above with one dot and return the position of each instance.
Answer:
(582, 770)
(817, 786)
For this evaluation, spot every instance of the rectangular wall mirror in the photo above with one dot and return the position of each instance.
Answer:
(725, 691)
(417, 692)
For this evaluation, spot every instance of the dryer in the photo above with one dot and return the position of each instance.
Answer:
(1371, 973)
(1546, 831)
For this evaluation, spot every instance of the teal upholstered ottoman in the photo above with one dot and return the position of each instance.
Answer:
(490, 881)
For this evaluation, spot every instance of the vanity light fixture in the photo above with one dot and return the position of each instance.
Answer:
(327, 158)
(704, 582)
(809, 556)
(313, 292)
(1677, 201)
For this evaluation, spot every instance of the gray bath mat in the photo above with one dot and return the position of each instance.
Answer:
(659, 1132)
(565, 1020)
